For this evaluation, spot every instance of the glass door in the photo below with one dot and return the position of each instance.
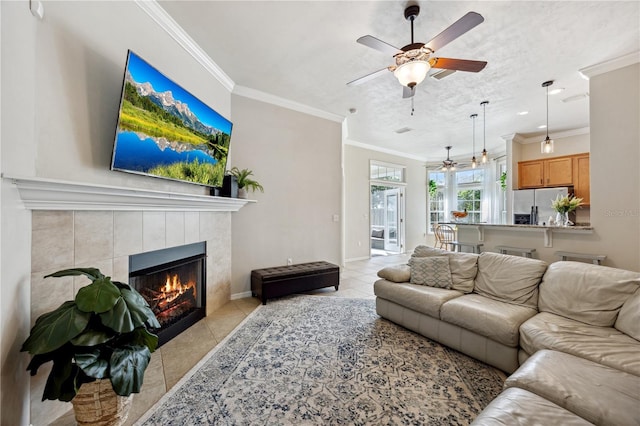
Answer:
(392, 220)
(387, 219)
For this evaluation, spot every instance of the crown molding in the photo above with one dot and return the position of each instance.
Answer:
(50, 194)
(611, 65)
(383, 150)
(558, 135)
(258, 95)
(167, 23)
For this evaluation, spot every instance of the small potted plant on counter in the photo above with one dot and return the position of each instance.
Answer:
(100, 346)
(245, 183)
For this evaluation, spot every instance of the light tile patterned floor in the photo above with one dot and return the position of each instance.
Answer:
(177, 357)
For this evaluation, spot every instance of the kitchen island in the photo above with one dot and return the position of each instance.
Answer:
(546, 231)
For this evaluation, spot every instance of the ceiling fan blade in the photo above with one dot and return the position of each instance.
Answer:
(408, 92)
(458, 64)
(367, 77)
(378, 44)
(455, 30)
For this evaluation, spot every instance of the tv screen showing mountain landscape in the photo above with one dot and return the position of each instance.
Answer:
(165, 131)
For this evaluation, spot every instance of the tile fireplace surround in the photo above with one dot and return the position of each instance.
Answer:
(102, 233)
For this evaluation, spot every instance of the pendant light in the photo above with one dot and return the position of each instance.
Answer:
(546, 146)
(484, 137)
(474, 163)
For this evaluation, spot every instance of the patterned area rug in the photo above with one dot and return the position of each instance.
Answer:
(307, 360)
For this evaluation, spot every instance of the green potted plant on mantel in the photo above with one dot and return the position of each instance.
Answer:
(245, 182)
(100, 346)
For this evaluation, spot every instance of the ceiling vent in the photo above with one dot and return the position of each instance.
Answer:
(442, 74)
(403, 130)
(576, 97)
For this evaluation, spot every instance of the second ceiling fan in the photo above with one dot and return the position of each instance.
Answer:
(413, 61)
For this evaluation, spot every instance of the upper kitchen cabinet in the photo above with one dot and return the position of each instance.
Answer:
(558, 171)
(581, 178)
(570, 170)
(530, 174)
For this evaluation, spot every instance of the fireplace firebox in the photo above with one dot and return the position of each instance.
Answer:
(173, 282)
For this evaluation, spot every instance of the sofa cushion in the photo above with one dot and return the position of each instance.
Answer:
(396, 273)
(463, 266)
(592, 294)
(432, 271)
(496, 320)
(420, 298)
(597, 393)
(515, 406)
(629, 317)
(604, 345)
(510, 279)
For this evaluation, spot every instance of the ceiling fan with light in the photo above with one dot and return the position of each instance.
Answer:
(446, 165)
(413, 61)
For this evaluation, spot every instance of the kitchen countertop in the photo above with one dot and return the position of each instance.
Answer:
(547, 230)
(579, 227)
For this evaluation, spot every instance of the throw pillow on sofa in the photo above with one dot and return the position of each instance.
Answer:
(396, 274)
(430, 271)
(464, 266)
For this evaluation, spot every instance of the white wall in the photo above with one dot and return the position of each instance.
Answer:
(61, 82)
(297, 158)
(357, 189)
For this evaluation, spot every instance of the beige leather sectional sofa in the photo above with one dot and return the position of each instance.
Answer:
(570, 329)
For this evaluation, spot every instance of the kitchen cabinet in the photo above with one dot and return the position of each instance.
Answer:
(581, 178)
(558, 171)
(530, 174)
(569, 170)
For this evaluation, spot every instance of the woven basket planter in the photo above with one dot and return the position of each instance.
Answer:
(96, 403)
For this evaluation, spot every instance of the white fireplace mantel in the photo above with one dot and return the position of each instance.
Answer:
(49, 194)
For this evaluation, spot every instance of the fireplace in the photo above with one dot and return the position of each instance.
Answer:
(173, 282)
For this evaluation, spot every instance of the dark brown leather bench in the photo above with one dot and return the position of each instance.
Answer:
(281, 281)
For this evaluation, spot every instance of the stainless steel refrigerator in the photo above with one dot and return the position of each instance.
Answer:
(533, 206)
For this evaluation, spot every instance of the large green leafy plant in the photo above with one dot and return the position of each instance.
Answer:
(101, 334)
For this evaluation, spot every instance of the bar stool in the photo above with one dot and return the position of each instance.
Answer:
(445, 235)
(526, 252)
(457, 245)
(596, 259)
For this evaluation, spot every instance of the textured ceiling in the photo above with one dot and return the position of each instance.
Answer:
(306, 51)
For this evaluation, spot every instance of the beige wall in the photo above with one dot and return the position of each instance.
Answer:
(615, 155)
(297, 158)
(357, 192)
(568, 145)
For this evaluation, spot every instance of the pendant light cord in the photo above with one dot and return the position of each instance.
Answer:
(547, 111)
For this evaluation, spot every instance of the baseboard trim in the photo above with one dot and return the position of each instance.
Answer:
(355, 259)
(241, 295)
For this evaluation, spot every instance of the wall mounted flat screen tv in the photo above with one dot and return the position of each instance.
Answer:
(165, 131)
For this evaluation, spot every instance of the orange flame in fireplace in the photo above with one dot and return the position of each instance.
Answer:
(174, 288)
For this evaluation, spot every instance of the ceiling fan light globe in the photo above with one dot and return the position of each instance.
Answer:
(412, 73)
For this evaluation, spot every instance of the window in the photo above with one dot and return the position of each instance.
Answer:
(437, 190)
(469, 193)
(459, 190)
(387, 172)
